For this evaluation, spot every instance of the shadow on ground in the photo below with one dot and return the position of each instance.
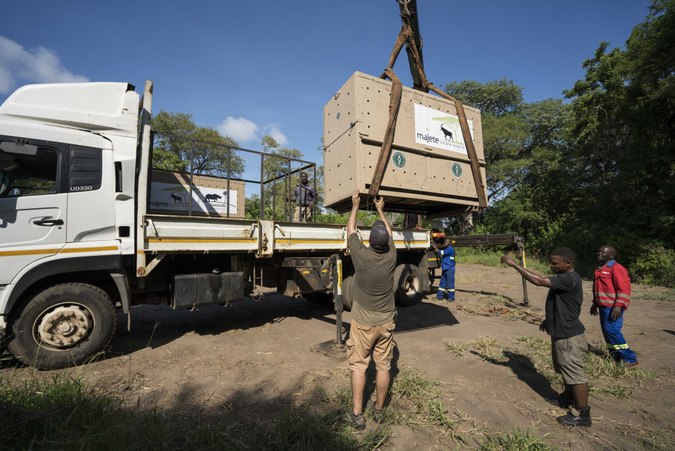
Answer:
(524, 369)
(156, 325)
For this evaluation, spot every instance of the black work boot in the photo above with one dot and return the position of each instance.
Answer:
(584, 418)
(563, 400)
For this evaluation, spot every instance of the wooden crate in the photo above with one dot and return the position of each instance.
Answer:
(170, 194)
(428, 170)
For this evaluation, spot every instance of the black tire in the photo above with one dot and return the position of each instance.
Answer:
(408, 283)
(432, 276)
(62, 325)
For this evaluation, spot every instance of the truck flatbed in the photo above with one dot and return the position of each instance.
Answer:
(173, 233)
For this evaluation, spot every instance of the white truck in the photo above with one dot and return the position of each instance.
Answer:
(77, 241)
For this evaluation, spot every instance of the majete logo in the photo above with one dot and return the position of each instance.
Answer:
(428, 138)
(439, 129)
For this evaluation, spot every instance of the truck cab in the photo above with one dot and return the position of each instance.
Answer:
(67, 162)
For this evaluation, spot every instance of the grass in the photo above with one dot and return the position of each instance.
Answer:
(618, 391)
(660, 294)
(516, 440)
(416, 401)
(657, 439)
(413, 401)
(599, 365)
(489, 349)
(538, 350)
(457, 349)
(492, 257)
(605, 375)
(62, 413)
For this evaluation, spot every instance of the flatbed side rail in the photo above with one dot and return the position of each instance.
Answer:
(173, 233)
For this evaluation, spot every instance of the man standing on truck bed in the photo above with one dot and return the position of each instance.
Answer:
(304, 196)
(373, 310)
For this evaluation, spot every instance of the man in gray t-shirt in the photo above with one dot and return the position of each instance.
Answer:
(373, 286)
(373, 310)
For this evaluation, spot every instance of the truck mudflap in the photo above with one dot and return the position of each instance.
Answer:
(191, 290)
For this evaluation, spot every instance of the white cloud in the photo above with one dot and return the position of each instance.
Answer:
(240, 129)
(41, 65)
(243, 130)
(275, 133)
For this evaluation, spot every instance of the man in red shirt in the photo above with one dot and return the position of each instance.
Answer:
(611, 297)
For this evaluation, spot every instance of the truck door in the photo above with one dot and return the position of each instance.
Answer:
(33, 203)
(91, 212)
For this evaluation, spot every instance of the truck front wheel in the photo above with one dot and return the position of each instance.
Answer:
(62, 325)
(408, 284)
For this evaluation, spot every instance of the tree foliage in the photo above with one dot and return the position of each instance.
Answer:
(281, 174)
(624, 121)
(495, 98)
(180, 145)
(596, 169)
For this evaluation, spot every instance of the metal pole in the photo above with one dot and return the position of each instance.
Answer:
(316, 198)
(523, 263)
(229, 174)
(274, 199)
(262, 187)
(192, 174)
(289, 211)
(337, 297)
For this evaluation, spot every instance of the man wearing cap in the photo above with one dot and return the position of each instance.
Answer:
(373, 310)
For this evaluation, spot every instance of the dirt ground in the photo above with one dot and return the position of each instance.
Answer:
(253, 356)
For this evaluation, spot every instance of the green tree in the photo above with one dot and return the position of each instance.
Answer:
(504, 131)
(252, 207)
(180, 145)
(523, 144)
(169, 147)
(600, 169)
(281, 172)
(623, 164)
(495, 98)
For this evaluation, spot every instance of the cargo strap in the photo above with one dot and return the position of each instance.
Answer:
(409, 37)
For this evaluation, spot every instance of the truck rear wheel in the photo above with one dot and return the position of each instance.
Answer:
(408, 282)
(63, 325)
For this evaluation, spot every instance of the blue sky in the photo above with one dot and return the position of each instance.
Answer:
(257, 67)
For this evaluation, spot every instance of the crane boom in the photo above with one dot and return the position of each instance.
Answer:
(408, 9)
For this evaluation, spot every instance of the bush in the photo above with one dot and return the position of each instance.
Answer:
(654, 265)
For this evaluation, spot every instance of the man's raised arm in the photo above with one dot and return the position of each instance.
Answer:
(351, 223)
(379, 205)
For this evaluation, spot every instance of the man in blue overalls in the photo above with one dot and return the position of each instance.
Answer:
(446, 287)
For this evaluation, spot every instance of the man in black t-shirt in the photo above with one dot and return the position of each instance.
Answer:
(568, 342)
